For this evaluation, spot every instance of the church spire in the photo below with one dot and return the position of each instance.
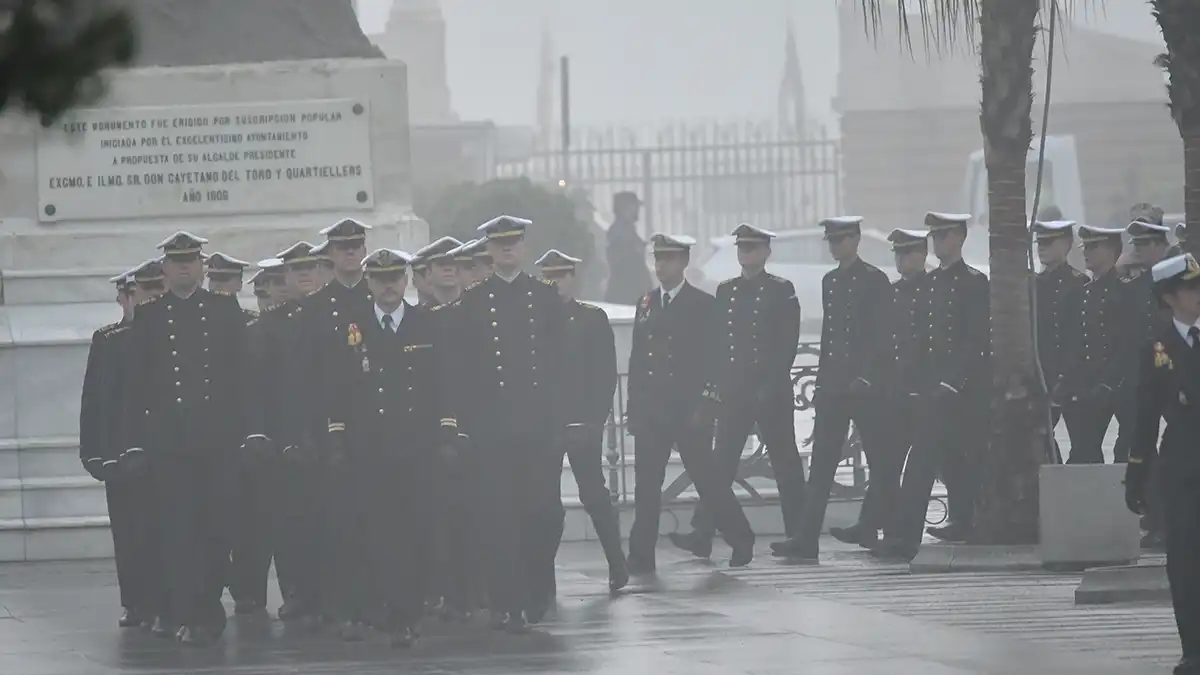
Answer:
(793, 106)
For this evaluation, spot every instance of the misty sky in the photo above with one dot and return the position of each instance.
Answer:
(650, 60)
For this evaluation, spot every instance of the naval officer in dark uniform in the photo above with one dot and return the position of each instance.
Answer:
(389, 419)
(225, 273)
(896, 381)
(1059, 294)
(758, 329)
(952, 378)
(439, 270)
(100, 410)
(508, 378)
(1096, 371)
(1169, 389)
(184, 419)
(855, 295)
(592, 352)
(673, 402)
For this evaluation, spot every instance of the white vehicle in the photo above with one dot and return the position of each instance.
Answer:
(802, 257)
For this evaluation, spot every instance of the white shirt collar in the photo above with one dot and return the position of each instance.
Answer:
(673, 291)
(1183, 329)
(397, 316)
(511, 279)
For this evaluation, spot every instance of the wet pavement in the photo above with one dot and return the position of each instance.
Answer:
(848, 616)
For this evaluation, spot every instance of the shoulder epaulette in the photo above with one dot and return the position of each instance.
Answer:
(225, 293)
(588, 305)
(1077, 274)
(253, 320)
(546, 281)
(727, 282)
(150, 301)
(121, 328)
(774, 277)
(473, 285)
(105, 330)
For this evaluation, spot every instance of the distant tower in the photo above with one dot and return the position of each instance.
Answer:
(793, 106)
(416, 35)
(547, 91)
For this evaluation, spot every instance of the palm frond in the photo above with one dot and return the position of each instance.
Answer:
(944, 23)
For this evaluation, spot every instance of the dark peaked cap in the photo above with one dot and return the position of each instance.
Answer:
(902, 239)
(504, 226)
(182, 243)
(937, 220)
(442, 249)
(386, 260)
(751, 234)
(1053, 229)
(555, 260)
(219, 262)
(670, 243)
(347, 229)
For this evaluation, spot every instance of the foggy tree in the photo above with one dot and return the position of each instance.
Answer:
(1004, 31)
(53, 52)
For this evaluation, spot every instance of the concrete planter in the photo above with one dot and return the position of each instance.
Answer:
(1084, 521)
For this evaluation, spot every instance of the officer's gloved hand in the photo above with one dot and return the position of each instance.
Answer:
(134, 462)
(95, 468)
(336, 442)
(1135, 486)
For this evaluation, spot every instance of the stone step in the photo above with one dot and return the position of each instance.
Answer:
(65, 497)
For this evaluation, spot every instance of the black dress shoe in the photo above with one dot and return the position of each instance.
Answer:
(618, 578)
(786, 545)
(195, 636)
(162, 629)
(129, 618)
(403, 637)
(796, 549)
(743, 553)
(865, 537)
(952, 533)
(1187, 666)
(515, 624)
(692, 542)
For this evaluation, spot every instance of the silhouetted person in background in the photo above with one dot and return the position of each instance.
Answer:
(628, 274)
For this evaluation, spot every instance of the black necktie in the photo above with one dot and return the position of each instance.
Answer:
(1194, 334)
(666, 299)
(387, 323)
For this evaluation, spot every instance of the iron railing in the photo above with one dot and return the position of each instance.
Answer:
(618, 450)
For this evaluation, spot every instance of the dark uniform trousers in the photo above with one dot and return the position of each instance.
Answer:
(756, 331)
(1169, 389)
(310, 556)
(131, 505)
(1059, 293)
(255, 494)
(594, 376)
(184, 411)
(896, 412)
(1096, 383)
(508, 374)
(951, 348)
(455, 574)
(855, 297)
(386, 400)
(670, 388)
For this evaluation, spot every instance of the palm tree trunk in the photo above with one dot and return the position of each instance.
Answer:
(1191, 187)
(1007, 508)
(1179, 21)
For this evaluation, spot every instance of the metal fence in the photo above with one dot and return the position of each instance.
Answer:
(700, 179)
(619, 453)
